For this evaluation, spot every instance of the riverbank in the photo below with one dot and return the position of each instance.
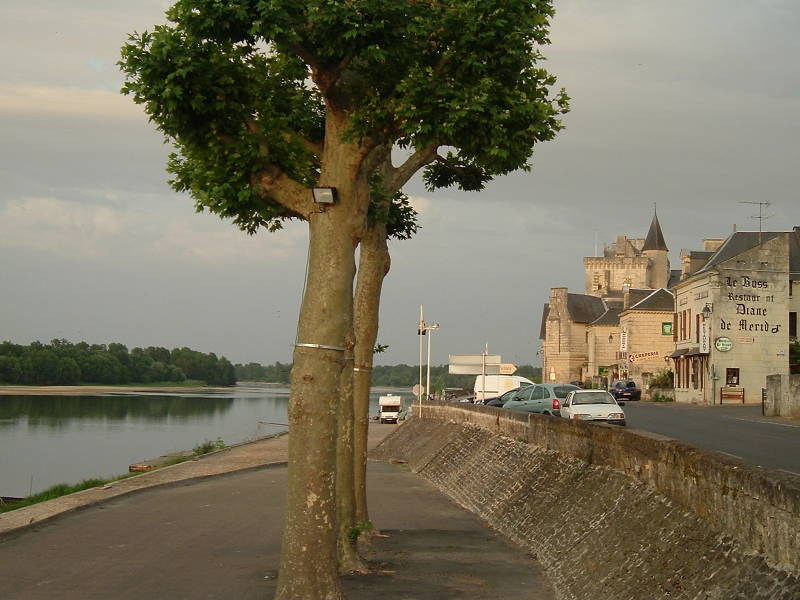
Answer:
(103, 390)
(272, 449)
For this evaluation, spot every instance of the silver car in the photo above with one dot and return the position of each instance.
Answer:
(544, 398)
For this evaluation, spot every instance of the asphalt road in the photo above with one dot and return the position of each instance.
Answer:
(736, 430)
(220, 538)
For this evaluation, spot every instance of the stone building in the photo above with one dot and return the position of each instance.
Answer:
(629, 263)
(564, 334)
(602, 341)
(735, 315)
(580, 332)
(645, 327)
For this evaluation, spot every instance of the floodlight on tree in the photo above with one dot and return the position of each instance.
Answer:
(324, 195)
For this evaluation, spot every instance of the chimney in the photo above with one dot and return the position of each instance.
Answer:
(712, 244)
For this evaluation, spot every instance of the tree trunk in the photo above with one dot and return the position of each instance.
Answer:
(374, 263)
(309, 565)
(349, 559)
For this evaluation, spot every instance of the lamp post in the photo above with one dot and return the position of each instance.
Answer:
(420, 333)
(423, 329)
(432, 327)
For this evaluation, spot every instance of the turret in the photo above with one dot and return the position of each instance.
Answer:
(655, 248)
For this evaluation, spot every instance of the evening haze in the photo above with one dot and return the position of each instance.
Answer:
(689, 105)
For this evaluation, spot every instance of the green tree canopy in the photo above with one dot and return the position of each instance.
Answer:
(230, 84)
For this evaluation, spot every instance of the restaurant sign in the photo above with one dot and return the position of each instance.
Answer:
(705, 338)
(640, 356)
(723, 344)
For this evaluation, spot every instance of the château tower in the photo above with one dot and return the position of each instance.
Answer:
(656, 250)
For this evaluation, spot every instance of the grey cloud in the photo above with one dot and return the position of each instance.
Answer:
(690, 105)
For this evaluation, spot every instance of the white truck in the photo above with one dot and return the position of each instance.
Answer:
(389, 407)
(496, 385)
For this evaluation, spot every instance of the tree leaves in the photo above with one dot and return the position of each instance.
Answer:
(242, 89)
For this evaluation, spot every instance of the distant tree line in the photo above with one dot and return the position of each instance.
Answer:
(63, 363)
(382, 375)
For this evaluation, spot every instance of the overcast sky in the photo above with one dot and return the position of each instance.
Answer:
(691, 105)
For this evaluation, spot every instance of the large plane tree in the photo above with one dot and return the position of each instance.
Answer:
(265, 99)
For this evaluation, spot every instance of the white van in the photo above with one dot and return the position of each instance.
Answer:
(497, 384)
(389, 407)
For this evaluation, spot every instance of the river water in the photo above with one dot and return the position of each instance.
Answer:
(46, 440)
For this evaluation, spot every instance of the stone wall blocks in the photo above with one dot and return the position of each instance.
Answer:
(657, 495)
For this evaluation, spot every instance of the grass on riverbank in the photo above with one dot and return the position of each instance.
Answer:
(58, 490)
(63, 489)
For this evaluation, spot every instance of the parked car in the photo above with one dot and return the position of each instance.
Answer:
(593, 405)
(492, 386)
(542, 398)
(625, 389)
(498, 401)
(578, 384)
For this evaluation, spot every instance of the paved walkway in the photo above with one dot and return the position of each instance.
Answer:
(219, 537)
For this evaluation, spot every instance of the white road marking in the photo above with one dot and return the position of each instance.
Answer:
(729, 454)
(765, 422)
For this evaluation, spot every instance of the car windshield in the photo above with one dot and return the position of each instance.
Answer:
(390, 408)
(561, 391)
(593, 398)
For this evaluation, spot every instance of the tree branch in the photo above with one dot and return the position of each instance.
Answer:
(400, 175)
(276, 185)
(253, 128)
(379, 155)
(313, 148)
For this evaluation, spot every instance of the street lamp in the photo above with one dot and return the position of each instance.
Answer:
(422, 329)
(432, 327)
(706, 312)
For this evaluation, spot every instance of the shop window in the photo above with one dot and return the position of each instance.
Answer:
(695, 373)
(732, 377)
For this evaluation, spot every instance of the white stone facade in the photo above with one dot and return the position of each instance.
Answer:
(747, 302)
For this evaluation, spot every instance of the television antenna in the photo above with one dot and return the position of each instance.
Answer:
(760, 216)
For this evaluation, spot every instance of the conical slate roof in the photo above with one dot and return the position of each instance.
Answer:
(655, 239)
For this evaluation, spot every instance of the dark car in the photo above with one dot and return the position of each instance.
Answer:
(625, 389)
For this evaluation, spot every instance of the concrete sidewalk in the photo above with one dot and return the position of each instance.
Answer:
(219, 537)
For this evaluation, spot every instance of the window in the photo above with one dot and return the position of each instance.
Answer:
(538, 393)
(792, 324)
(732, 377)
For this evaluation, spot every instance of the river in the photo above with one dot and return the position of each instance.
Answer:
(46, 440)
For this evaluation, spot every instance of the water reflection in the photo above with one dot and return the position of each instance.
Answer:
(45, 440)
(60, 411)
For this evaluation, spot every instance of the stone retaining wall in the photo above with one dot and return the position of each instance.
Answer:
(612, 513)
(783, 396)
